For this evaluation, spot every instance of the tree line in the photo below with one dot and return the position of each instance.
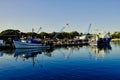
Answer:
(116, 35)
(42, 35)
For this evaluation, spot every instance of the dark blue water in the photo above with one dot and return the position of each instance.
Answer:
(68, 63)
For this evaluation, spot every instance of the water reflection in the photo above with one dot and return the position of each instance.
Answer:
(9, 52)
(116, 43)
(26, 54)
(59, 63)
(68, 51)
(49, 51)
(100, 51)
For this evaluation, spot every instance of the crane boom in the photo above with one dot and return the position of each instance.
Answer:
(89, 28)
(39, 30)
(60, 31)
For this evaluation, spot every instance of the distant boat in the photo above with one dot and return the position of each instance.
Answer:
(29, 44)
(101, 39)
(84, 39)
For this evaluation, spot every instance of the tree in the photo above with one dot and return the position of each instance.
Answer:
(10, 32)
(73, 34)
(32, 34)
(81, 34)
(63, 35)
(51, 35)
(116, 35)
(43, 35)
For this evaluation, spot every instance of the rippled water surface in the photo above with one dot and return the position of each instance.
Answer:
(65, 63)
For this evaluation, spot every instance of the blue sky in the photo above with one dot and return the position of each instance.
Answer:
(52, 15)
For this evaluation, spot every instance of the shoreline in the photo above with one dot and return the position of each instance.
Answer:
(115, 40)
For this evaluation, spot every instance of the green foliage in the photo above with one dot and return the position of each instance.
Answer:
(43, 35)
(32, 34)
(51, 35)
(73, 34)
(63, 35)
(81, 34)
(116, 35)
(10, 32)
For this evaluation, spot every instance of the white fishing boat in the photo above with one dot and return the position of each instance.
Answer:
(29, 44)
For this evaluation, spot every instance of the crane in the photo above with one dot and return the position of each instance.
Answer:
(39, 30)
(50, 42)
(89, 28)
(66, 25)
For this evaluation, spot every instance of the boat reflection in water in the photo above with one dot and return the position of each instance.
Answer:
(29, 53)
(100, 51)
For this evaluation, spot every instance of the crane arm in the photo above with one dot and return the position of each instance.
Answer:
(60, 31)
(89, 28)
(39, 30)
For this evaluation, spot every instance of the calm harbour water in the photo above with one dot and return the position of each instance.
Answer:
(68, 63)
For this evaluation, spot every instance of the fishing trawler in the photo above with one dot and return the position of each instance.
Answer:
(100, 39)
(29, 43)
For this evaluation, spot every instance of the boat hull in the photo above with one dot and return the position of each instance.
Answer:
(104, 41)
(25, 45)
